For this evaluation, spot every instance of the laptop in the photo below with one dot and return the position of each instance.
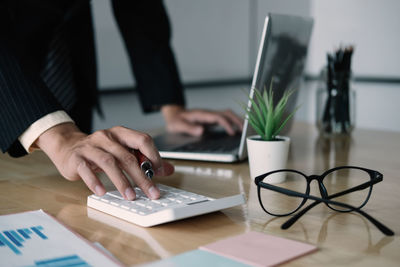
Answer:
(281, 58)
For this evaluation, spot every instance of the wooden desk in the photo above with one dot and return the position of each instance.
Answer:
(32, 183)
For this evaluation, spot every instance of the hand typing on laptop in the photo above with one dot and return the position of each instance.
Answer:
(193, 121)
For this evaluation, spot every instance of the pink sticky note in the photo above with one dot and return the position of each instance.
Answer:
(259, 249)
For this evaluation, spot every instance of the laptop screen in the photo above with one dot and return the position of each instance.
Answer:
(281, 58)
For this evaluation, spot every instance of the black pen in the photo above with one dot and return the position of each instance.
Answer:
(144, 164)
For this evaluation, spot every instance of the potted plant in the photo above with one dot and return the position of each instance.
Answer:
(268, 150)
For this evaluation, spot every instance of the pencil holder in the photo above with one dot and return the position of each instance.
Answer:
(336, 100)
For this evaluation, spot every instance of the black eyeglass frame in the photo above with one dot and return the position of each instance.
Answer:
(375, 177)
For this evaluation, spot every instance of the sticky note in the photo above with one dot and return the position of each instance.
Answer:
(259, 249)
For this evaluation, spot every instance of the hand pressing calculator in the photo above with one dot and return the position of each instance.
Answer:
(173, 204)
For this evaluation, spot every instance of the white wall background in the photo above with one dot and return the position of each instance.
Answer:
(210, 40)
(113, 66)
(372, 26)
(218, 40)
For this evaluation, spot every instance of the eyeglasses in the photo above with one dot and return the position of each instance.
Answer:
(335, 186)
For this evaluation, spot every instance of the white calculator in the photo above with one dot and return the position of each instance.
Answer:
(174, 204)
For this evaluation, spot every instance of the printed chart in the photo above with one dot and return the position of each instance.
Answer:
(15, 239)
(36, 239)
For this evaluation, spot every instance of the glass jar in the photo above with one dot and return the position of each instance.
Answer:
(336, 100)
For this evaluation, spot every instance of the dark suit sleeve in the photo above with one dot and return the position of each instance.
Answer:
(146, 31)
(24, 98)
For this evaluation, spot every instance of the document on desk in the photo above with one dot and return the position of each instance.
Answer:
(35, 238)
(196, 258)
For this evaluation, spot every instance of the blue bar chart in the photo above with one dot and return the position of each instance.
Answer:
(15, 239)
(72, 260)
(36, 239)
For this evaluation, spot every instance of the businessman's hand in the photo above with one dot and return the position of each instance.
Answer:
(180, 120)
(79, 156)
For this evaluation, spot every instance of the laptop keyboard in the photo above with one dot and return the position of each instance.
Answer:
(217, 142)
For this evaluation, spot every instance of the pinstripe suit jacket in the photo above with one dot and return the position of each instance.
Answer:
(26, 29)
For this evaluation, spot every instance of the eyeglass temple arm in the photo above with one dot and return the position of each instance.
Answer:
(297, 216)
(379, 225)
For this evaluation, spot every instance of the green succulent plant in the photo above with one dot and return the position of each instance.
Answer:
(266, 118)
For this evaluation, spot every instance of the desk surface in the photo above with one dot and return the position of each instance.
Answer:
(32, 183)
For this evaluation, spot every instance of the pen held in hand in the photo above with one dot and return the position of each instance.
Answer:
(144, 164)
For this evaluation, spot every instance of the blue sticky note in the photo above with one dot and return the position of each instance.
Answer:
(196, 258)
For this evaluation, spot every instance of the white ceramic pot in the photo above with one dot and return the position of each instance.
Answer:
(266, 156)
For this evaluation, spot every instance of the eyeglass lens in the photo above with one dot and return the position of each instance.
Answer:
(343, 179)
(280, 204)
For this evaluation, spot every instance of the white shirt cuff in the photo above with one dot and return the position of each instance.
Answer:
(40, 126)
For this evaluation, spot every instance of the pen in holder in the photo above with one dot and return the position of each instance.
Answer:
(335, 95)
